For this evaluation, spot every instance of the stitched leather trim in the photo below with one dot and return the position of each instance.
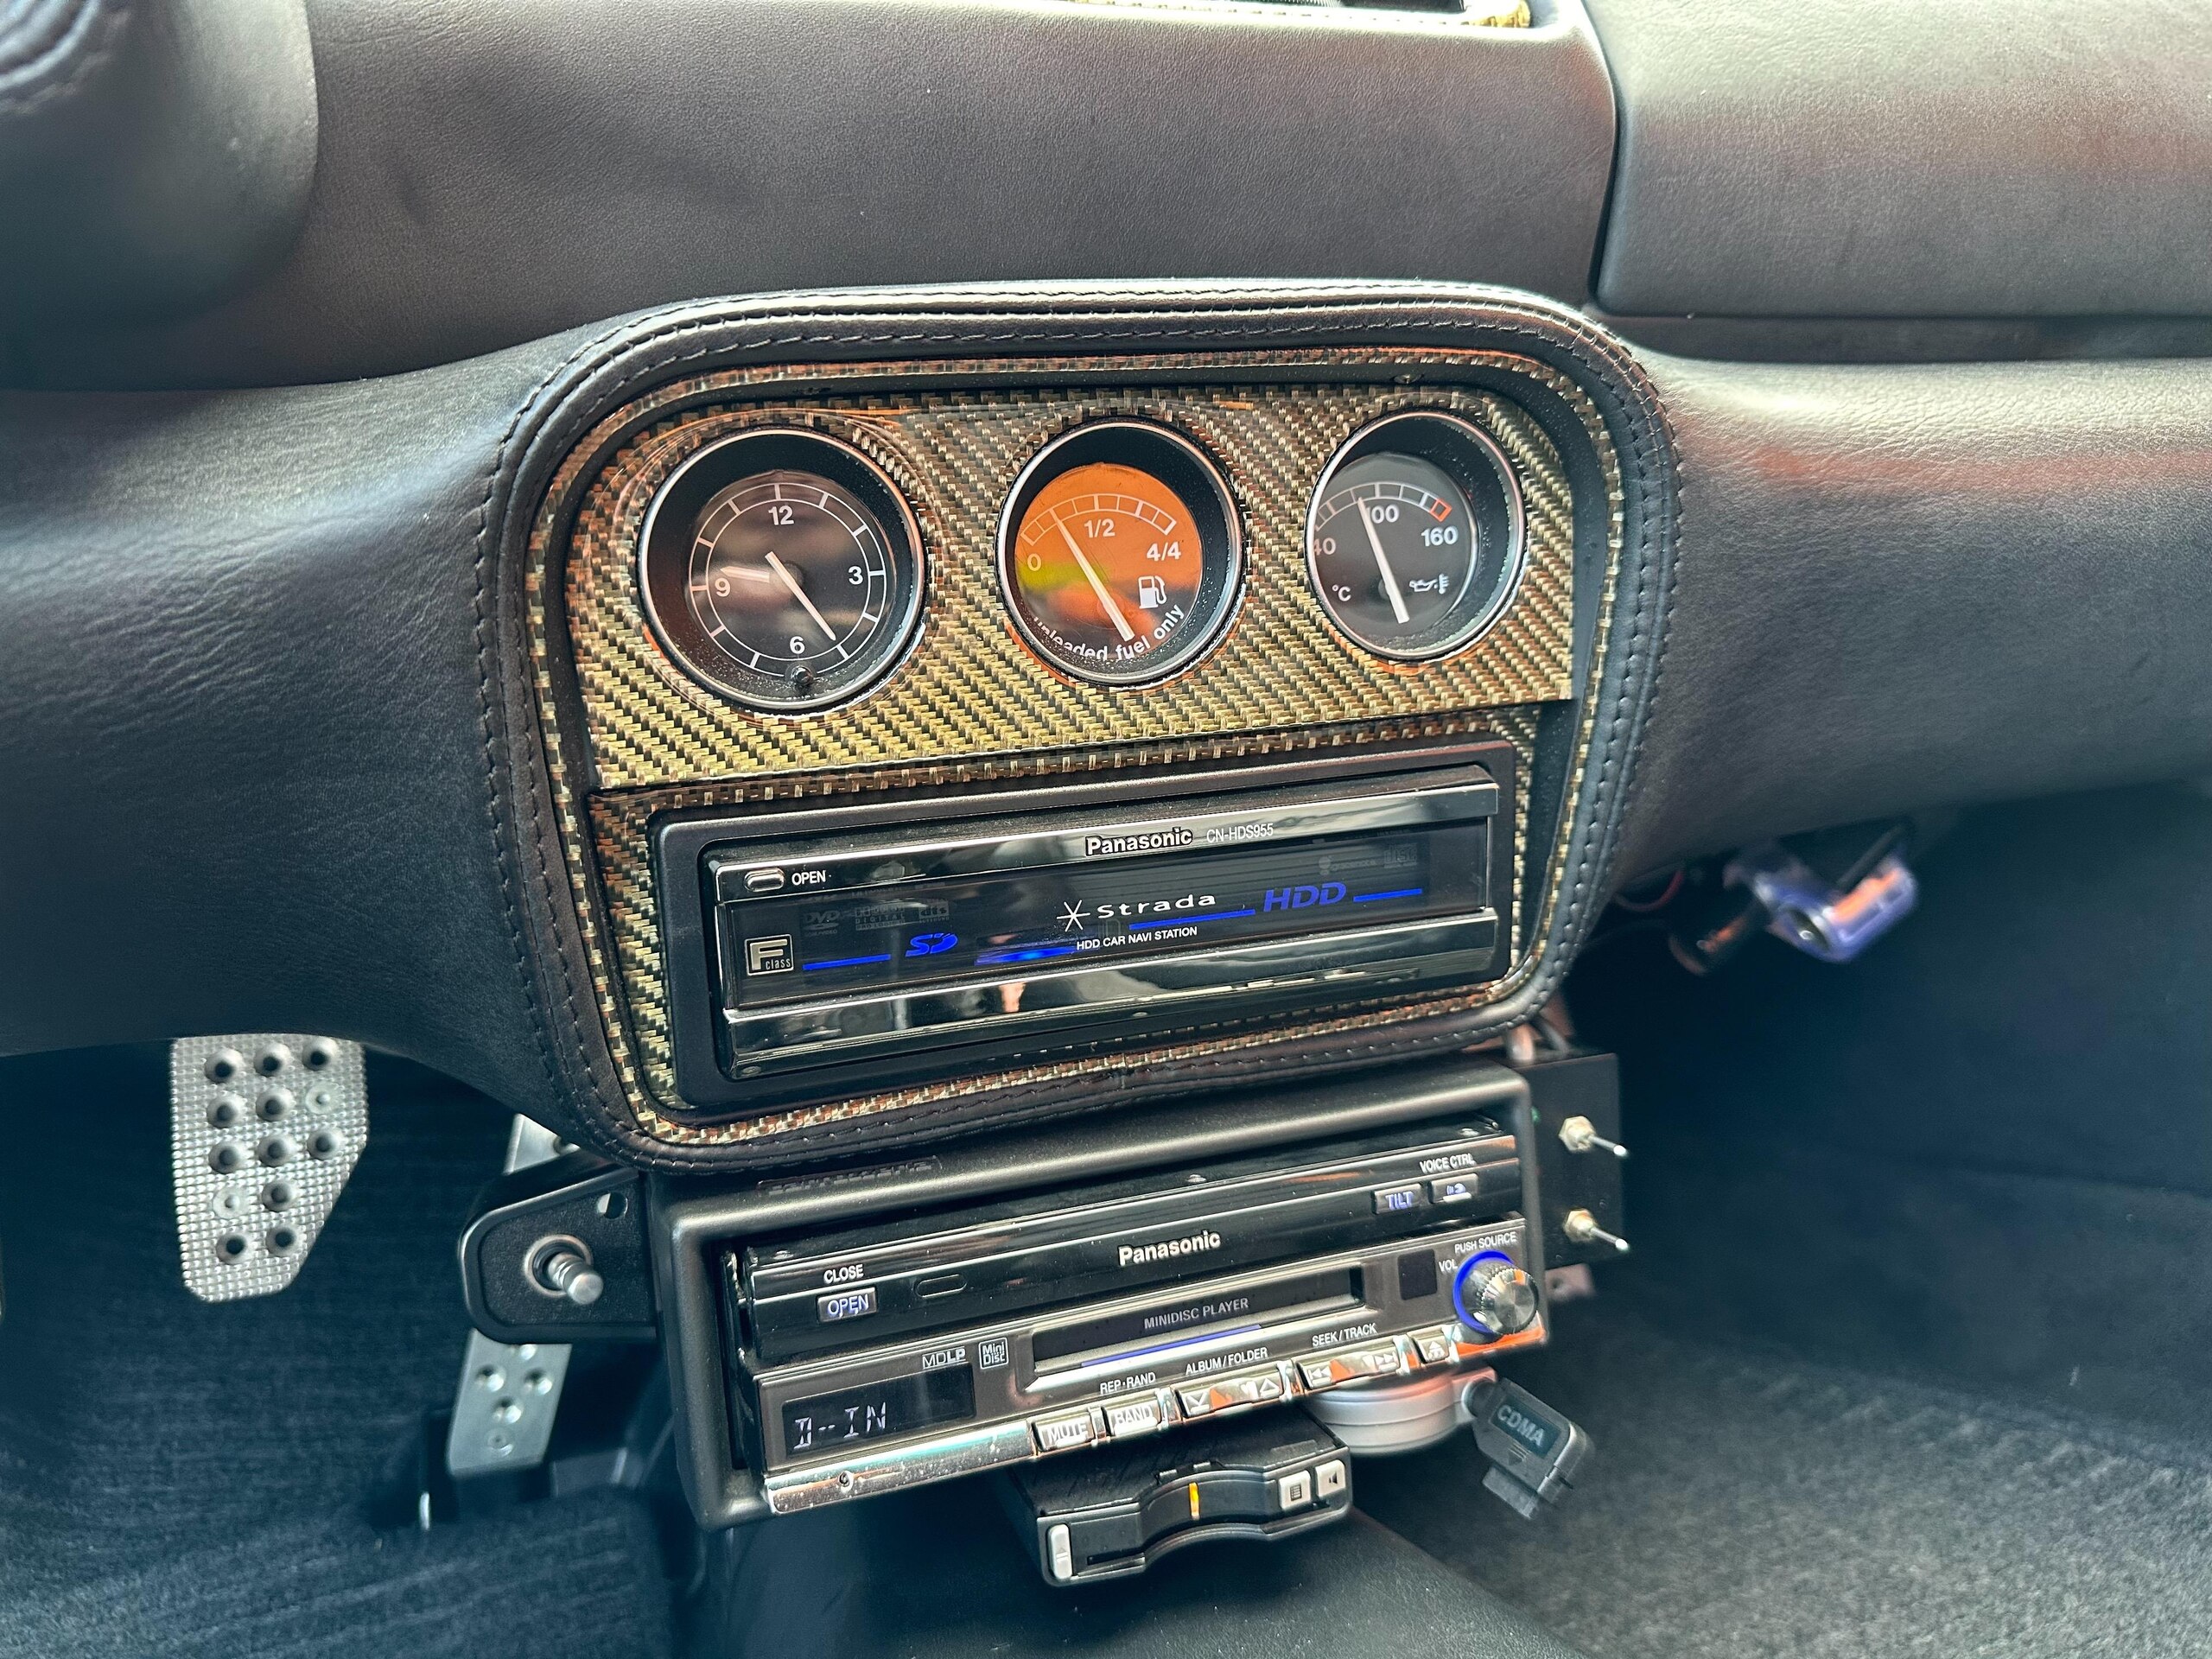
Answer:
(551, 958)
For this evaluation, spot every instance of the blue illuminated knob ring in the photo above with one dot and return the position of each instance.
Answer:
(1496, 1285)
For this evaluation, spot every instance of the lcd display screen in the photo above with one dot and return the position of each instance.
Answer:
(853, 1415)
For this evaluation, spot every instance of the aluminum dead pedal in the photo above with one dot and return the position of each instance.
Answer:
(510, 1393)
(264, 1129)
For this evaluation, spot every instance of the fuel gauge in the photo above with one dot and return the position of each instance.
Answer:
(1120, 555)
(1414, 539)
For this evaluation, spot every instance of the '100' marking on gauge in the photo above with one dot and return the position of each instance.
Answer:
(1377, 504)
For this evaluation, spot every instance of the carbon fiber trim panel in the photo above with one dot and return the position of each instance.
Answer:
(970, 705)
(619, 824)
(970, 688)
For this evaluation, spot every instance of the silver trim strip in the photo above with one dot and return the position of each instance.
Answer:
(886, 1471)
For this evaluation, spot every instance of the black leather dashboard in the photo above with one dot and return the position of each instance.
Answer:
(1913, 585)
(245, 654)
(1861, 159)
(267, 764)
(490, 171)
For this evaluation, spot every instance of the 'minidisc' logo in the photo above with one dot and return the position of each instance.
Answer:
(1167, 1248)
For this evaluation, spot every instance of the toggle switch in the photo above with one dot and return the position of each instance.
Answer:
(1581, 1135)
(1582, 1227)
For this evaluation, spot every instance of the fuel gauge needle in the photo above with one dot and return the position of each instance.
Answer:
(1381, 562)
(784, 575)
(1113, 611)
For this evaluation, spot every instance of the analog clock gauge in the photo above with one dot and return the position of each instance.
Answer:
(782, 570)
(1118, 554)
(1414, 540)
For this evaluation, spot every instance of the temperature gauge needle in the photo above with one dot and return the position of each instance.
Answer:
(1113, 611)
(1381, 562)
(784, 575)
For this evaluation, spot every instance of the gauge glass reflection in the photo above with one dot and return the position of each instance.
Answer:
(790, 571)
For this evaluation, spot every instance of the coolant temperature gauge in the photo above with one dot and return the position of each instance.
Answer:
(1414, 540)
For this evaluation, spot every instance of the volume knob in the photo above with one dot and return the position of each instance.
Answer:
(1494, 1296)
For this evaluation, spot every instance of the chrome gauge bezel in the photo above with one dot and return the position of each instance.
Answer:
(766, 448)
(1143, 445)
(1377, 436)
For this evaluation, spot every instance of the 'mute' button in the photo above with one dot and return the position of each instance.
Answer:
(1063, 1433)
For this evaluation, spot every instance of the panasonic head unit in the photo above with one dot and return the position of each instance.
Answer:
(867, 1360)
(805, 950)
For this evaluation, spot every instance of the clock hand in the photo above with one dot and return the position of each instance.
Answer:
(790, 582)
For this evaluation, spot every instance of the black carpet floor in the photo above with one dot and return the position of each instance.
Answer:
(1741, 1505)
(181, 1478)
(1909, 1359)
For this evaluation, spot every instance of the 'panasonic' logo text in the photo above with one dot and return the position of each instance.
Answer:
(1166, 1249)
(1150, 841)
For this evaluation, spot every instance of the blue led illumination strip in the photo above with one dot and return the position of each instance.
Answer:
(1174, 921)
(1027, 953)
(1049, 952)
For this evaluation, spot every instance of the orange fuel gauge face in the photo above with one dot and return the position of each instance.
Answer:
(1122, 565)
